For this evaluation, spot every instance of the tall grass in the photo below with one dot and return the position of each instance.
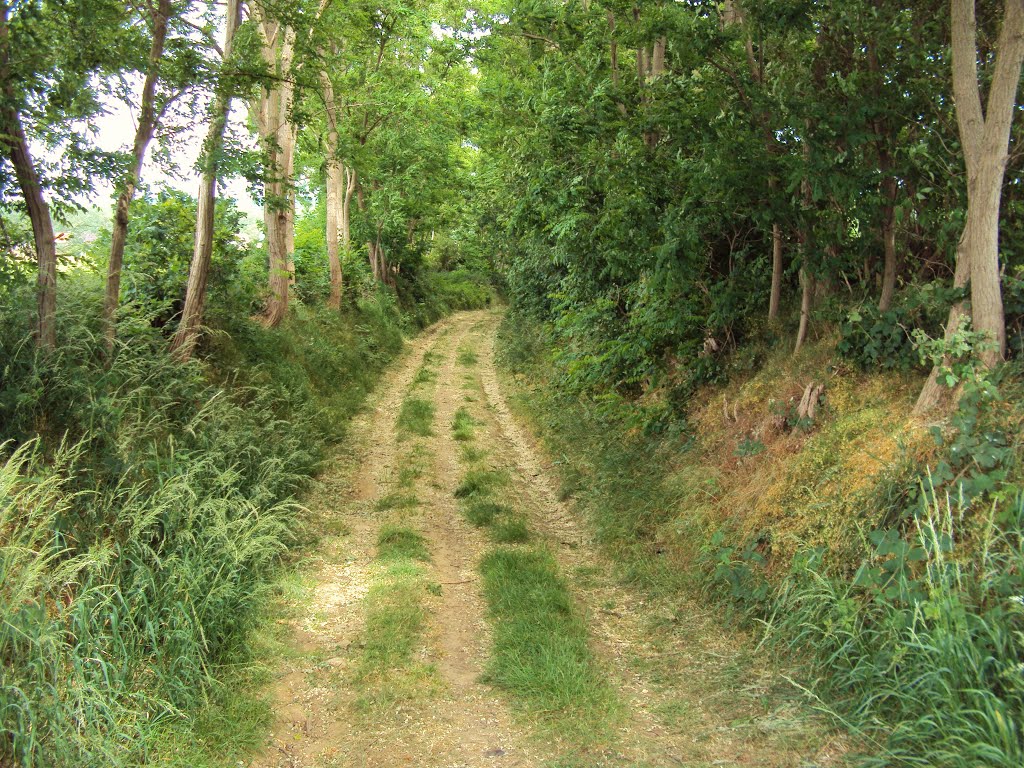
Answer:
(101, 644)
(928, 664)
(144, 507)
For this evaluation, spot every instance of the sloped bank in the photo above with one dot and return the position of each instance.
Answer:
(145, 508)
(902, 602)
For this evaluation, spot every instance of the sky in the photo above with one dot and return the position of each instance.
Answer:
(117, 132)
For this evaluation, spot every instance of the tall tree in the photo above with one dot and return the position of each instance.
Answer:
(12, 133)
(159, 17)
(277, 135)
(187, 334)
(336, 192)
(984, 136)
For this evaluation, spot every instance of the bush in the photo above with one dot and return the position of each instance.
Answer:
(877, 340)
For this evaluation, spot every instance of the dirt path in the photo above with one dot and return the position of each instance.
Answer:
(687, 696)
(321, 721)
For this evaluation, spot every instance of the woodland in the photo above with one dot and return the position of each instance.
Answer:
(753, 276)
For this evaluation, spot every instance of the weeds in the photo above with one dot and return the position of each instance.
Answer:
(467, 357)
(416, 417)
(463, 425)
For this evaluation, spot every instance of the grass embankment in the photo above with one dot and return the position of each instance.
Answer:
(145, 508)
(541, 655)
(902, 605)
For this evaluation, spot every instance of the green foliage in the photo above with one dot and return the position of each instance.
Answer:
(978, 451)
(430, 295)
(159, 251)
(886, 340)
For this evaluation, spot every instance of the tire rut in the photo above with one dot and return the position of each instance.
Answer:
(683, 671)
(318, 721)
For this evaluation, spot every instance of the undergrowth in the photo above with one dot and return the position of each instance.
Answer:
(894, 590)
(145, 508)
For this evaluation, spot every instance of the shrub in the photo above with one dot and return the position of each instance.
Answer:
(885, 340)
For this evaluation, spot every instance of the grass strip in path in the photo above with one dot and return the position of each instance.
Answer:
(416, 417)
(480, 482)
(541, 652)
(463, 426)
(396, 620)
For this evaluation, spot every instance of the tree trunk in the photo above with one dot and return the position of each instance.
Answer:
(935, 392)
(888, 186)
(806, 303)
(12, 136)
(335, 193)
(888, 243)
(346, 209)
(143, 135)
(290, 140)
(658, 57)
(372, 251)
(985, 138)
(776, 290)
(187, 335)
(277, 137)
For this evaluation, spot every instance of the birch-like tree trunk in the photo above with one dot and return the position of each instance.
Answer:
(984, 136)
(335, 193)
(351, 182)
(278, 140)
(15, 145)
(143, 135)
(187, 335)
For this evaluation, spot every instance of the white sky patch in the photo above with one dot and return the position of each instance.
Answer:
(116, 132)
